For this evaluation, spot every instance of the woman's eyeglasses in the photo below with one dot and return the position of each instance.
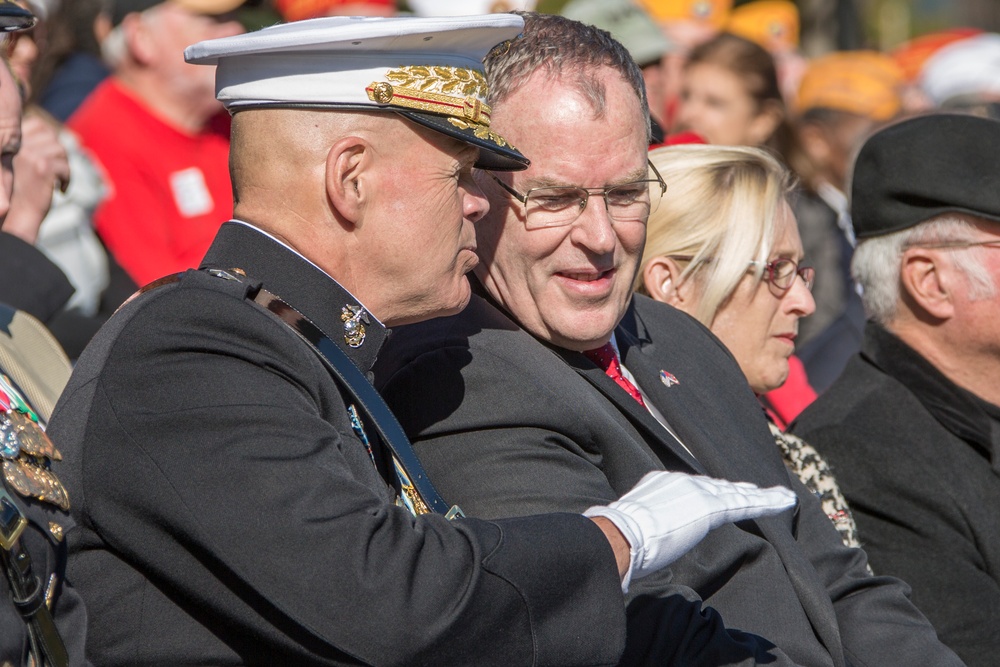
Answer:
(778, 273)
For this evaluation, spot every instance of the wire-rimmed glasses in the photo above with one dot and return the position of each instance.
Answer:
(778, 273)
(557, 206)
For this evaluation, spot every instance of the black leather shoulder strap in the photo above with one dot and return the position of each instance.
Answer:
(347, 374)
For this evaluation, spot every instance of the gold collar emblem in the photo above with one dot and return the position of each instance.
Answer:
(354, 318)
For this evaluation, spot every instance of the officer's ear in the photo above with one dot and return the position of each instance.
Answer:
(348, 178)
(928, 279)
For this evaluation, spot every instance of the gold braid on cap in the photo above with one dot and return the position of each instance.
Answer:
(455, 92)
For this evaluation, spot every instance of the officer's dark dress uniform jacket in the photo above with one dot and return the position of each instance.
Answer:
(919, 461)
(229, 514)
(506, 426)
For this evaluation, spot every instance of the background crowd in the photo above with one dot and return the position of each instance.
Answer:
(123, 177)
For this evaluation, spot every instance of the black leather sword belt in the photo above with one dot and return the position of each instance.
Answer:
(26, 590)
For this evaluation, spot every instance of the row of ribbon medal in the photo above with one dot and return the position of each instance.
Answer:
(26, 451)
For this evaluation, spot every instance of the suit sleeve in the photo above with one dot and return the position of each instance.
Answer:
(495, 454)
(210, 465)
(29, 281)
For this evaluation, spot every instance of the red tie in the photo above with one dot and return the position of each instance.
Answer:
(606, 358)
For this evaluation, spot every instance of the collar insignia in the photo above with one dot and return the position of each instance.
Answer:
(354, 318)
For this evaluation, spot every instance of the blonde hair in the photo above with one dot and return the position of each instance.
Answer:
(721, 208)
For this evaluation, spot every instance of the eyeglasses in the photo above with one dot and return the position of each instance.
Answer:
(779, 273)
(557, 206)
(958, 245)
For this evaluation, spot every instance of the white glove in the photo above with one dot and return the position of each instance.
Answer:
(667, 513)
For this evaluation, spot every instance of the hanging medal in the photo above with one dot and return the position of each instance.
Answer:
(10, 444)
(26, 450)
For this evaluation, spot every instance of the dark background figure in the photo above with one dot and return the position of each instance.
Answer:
(843, 97)
(70, 66)
(912, 427)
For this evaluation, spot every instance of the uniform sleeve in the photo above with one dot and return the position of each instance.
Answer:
(220, 464)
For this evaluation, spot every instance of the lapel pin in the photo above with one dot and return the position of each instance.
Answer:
(668, 379)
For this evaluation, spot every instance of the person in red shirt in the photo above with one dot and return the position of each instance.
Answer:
(160, 137)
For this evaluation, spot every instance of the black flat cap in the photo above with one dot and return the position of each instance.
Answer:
(926, 166)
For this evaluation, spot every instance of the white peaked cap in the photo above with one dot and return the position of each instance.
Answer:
(468, 7)
(429, 70)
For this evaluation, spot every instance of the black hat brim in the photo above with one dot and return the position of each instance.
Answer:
(493, 155)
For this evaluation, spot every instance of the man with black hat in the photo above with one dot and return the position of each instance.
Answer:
(243, 495)
(912, 427)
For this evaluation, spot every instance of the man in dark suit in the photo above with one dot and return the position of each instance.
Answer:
(923, 476)
(235, 501)
(511, 416)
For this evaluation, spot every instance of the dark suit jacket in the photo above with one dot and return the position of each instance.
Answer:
(505, 426)
(29, 281)
(923, 481)
(229, 514)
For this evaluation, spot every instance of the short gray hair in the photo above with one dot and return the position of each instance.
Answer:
(562, 47)
(878, 261)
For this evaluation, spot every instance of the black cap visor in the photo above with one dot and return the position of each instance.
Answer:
(495, 154)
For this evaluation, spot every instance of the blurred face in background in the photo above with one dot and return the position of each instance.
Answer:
(10, 136)
(159, 37)
(716, 104)
(21, 49)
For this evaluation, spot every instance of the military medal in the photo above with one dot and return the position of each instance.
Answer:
(10, 444)
(354, 318)
(33, 439)
(34, 481)
(26, 450)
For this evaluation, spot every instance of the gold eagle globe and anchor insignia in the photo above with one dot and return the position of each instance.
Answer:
(455, 92)
(354, 318)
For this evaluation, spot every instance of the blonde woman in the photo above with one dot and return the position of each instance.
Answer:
(726, 250)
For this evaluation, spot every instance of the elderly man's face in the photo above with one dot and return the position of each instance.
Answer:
(570, 284)
(424, 240)
(977, 307)
(10, 136)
